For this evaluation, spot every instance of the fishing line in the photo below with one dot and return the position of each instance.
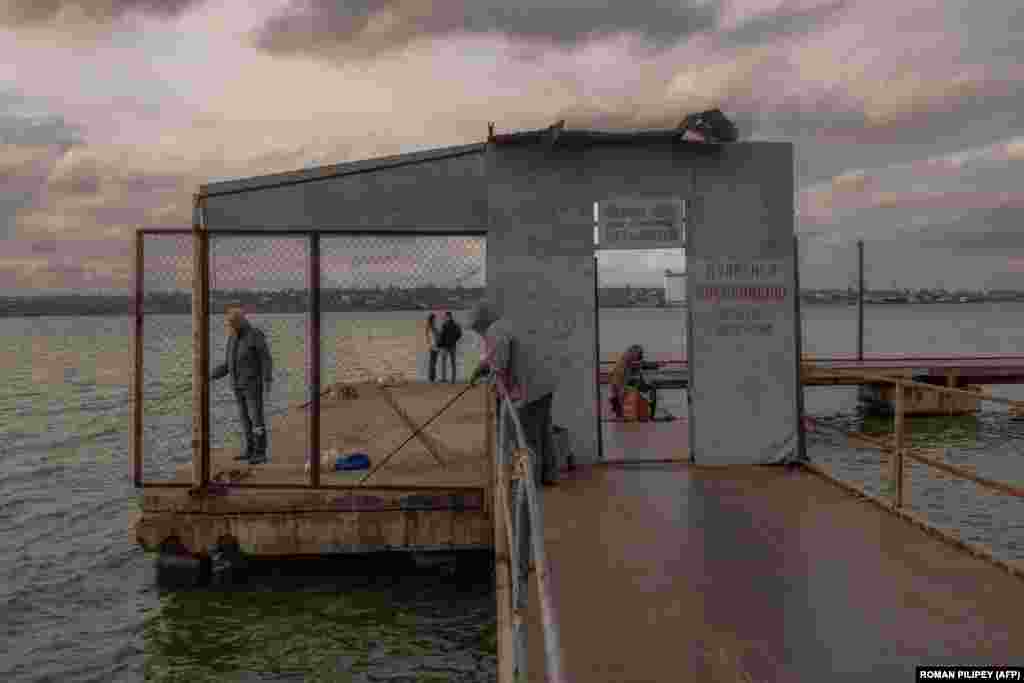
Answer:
(417, 432)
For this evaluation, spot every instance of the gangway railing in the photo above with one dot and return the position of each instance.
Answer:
(519, 523)
(899, 451)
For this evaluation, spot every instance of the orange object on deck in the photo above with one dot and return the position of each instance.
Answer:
(635, 406)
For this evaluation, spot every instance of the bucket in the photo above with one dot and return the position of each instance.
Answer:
(635, 406)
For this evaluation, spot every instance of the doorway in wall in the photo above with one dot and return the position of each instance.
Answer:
(640, 299)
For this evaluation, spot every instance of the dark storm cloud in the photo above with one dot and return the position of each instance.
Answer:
(365, 28)
(43, 12)
(21, 125)
(767, 27)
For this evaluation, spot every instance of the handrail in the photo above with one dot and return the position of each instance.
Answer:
(900, 451)
(528, 496)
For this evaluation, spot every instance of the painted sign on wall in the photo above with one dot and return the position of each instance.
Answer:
(641, 223)
(741, 312)
(739, 298)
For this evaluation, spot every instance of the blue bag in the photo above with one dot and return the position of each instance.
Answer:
(355, 461)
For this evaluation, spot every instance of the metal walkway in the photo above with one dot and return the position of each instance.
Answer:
(680, 573)
(993, 368)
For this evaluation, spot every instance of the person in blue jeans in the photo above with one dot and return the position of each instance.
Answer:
(433, 335)
(250, 366)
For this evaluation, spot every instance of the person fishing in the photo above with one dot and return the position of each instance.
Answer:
(530, 386)
(451, 333)
(249, 364)
(628, 374)
(432, 336)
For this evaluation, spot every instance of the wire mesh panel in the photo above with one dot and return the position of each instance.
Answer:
(167, 410)
(376, 294)
(265, 277)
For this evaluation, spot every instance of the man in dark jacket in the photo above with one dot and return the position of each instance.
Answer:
(249, 364)
(451, 333)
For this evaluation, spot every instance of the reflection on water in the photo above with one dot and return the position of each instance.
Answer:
(931, 431)
(356, 619)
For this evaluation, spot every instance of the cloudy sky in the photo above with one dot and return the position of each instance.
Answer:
(906, 115)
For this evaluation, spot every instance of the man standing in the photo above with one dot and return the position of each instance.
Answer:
(451, 333)
(531, 387)
(249, 364)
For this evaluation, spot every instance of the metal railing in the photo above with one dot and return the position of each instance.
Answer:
(519, 523)
(898, 451)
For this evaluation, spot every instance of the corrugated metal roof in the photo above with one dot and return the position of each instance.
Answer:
(335, 170)
(588, 136)
(426, 156)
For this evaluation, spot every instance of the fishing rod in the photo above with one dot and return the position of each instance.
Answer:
(417, 432)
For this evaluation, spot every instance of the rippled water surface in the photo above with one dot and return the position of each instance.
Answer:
(77, 596)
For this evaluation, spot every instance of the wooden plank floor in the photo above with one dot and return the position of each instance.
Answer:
(681, 573)
(639, 441)
(368, 424)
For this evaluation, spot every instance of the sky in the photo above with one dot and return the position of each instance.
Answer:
(906, 116)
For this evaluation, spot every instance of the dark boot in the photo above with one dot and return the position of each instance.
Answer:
(259, 456)
(250, 449)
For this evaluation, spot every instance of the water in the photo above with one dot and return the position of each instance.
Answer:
(78, 597)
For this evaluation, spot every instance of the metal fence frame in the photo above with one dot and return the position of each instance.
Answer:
(201, 350)
(898, 451)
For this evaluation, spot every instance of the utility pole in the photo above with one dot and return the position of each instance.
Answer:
(860, 300)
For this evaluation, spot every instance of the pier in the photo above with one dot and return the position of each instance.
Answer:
(708, 548)
(667, 572)
(672, 370)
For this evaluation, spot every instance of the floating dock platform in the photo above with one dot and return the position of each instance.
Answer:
(432, 495)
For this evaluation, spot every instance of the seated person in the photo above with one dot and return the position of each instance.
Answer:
(628, 373)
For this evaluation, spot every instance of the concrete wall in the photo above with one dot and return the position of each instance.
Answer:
(536, 203)
(743, 386)
(541, 245)
(442, 195)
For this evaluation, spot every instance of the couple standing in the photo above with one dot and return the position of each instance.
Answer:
(442, 341)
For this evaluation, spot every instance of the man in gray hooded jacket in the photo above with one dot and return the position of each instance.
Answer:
(531, 386)
(250, 366)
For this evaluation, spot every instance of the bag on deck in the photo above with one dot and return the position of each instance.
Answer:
(356, 461)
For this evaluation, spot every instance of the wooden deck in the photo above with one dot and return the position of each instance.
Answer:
(682, 573)
(636, 442)
(451, 452)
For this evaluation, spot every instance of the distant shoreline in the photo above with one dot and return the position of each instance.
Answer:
(258, 310)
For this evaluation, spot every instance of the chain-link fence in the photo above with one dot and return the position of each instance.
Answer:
(376, 294)
(376, 291)
(167, 411)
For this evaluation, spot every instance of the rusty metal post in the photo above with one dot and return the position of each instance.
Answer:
(801, 437)
(860, 300)
(200, 346)
(597, 364)
(313, 423)
(896, 457)
(136, 426)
